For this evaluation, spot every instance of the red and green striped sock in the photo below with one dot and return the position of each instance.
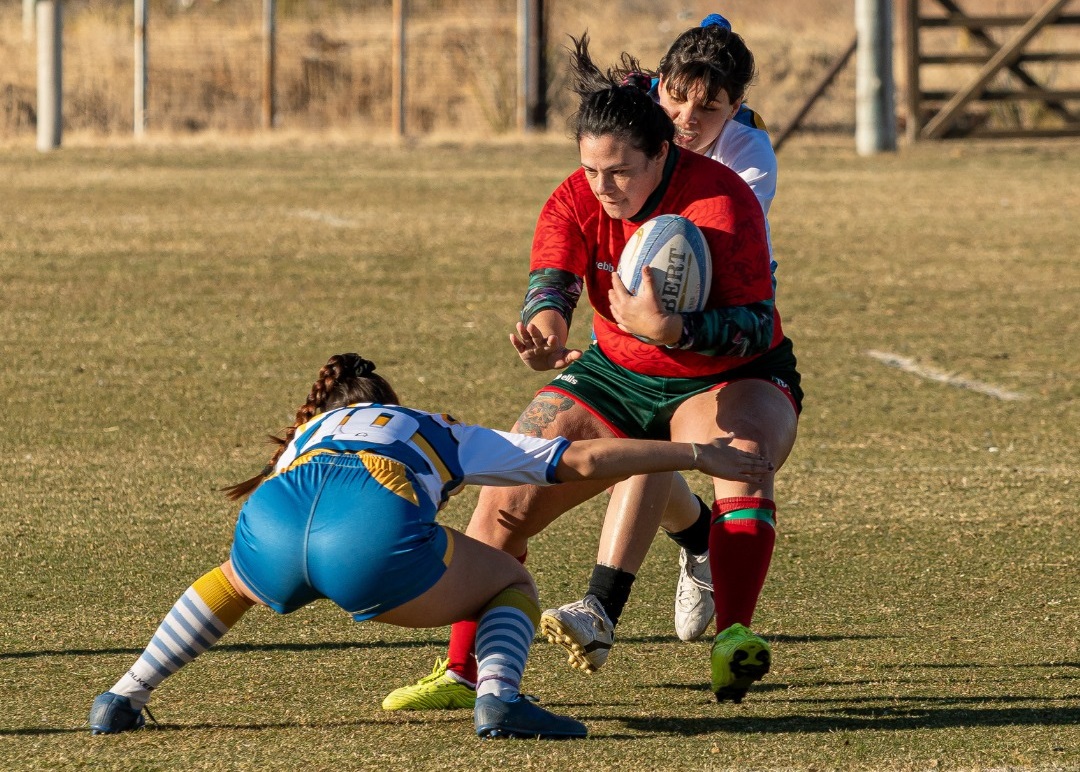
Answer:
(740, 549)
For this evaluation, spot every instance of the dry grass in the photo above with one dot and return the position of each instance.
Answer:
(163, 306)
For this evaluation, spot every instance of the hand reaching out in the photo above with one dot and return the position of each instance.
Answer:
(540, 352)
(719, 459)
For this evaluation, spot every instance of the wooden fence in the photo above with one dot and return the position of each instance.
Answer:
(996, 75)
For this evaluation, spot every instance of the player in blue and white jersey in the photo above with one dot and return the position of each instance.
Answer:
(346, 509)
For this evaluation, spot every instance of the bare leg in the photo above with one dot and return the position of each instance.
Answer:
(505, 518)
(476, 575)
(638, 506)
(757, 412)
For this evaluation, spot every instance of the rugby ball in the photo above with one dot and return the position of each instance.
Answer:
(674, 249)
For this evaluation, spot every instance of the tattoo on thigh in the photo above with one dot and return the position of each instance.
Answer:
(542, 412)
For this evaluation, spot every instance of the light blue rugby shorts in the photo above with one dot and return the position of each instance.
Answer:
(327, 528)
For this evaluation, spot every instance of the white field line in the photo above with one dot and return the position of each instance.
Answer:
(909, 365)
(324, 217)
(972, 469)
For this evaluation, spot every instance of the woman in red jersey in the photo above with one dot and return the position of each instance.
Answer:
(727, 368)
(701, 83)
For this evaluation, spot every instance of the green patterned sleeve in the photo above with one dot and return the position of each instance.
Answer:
(736, 331)
(552, 288)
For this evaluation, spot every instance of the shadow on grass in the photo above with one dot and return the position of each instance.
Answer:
(889, 720)
(46, 730)
(874, 719)
(331, 646)
(773, 639)
(1060, 673)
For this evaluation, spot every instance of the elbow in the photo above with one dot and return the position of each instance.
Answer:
(577, 463)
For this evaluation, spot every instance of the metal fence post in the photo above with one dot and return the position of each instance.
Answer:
(532, 83)
(269, 63)
(399, 10)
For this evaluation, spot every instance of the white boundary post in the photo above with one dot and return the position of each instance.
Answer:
(141, 67)
(50, 68)
(875, 112)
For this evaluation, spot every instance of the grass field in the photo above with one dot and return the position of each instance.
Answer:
(163, 308)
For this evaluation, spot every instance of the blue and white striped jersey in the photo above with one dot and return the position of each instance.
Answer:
(442, 453)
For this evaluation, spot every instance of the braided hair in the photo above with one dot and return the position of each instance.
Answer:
(710, 55)
(617, 102)
(344, 380)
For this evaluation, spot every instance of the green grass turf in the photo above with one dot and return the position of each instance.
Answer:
(163, 308)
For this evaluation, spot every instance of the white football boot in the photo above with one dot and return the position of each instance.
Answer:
(694, 607)
(584, 629)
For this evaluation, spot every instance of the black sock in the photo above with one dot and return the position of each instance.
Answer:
(695, 539)
(611, 586)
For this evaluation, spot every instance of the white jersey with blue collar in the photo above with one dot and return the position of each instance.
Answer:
(744, 147)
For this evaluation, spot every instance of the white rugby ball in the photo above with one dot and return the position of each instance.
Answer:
(674, 249)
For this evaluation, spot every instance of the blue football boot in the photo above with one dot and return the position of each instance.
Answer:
(519, 717)
(112, 713)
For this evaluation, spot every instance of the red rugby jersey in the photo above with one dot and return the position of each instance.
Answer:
(575, 234)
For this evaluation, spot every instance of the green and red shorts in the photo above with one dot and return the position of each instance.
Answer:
(641, 406)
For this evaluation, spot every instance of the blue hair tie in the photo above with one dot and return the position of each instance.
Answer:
(716, 20)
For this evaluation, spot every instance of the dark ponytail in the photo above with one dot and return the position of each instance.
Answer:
(343, 380)
(617, 102)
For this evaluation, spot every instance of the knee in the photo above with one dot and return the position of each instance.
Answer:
(526, 586)
(501, 519)
(771, 441)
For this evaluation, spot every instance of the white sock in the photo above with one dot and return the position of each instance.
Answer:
(204, 613)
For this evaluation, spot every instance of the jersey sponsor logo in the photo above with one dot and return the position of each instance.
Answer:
(568, 378)
(605, 266)
(140, 681)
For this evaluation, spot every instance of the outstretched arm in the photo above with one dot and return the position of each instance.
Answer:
(619, 458)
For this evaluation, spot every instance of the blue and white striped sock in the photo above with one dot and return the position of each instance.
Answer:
(503, 636)
(203, 614)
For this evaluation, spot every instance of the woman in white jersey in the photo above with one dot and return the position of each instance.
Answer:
(702, 85)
